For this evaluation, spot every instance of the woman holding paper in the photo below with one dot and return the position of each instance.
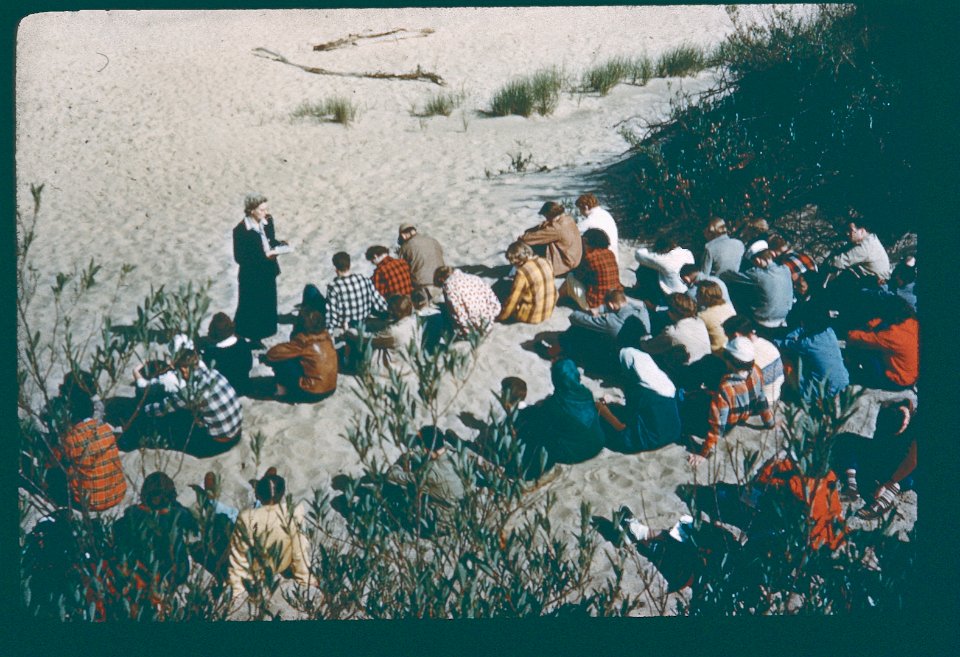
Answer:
(255, 248)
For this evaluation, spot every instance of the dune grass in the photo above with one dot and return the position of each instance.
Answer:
(441, 104)
(335, 110)
(538, 93)
(680, 61)
(604, 77)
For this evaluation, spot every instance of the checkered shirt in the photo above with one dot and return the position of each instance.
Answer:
(96, 475)
(797, 263)
(534, 293)
(351, 298)
(740, 397)
(601, 275)
(392, 276)
(211, 398)
(473, 305)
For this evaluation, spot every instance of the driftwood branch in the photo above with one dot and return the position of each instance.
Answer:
(352, 39)
(418, 75)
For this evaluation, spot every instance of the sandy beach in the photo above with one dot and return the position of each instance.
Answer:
(149, 128)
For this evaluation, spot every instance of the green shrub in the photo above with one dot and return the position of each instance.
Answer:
(335, 110)
(545, 88)
(516, 97)
(641, 70)
(539, 93)
(681, 61)
(441, 104)
(604, 77)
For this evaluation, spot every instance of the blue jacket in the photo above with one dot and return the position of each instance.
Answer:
(820, 360)
(767, 292)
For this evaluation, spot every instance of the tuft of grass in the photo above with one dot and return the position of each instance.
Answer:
(336, 110)
(604, 77)
(641, 70)
(441, 104)
(680, 61)
(538, 93)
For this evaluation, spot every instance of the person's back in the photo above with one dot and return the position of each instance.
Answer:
(233, 358)
(692, 334)
(317, 357)
(94, 470)
(572, 421)
(722, 253)
(820, 360)
(773, 294)
(424, 255)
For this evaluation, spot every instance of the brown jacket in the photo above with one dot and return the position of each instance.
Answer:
(317, 357)
(564, 245)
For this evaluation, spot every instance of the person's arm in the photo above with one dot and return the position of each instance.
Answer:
(379, 280)
(299, 549)
(607, 415)
(907, 465)
(647, 258)
(334, 320)
(283, 351)
(543, 234)
(379, 303)
(239, 566)
(873, 339)
(510, 305)
(707, 261)
(458, 311)
(599, 323)
(717, 422)
(856, 254)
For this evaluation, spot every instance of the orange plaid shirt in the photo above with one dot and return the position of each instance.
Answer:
(95, 473)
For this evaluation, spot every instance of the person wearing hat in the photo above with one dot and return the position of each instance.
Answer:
(558, 238)
(227, 353)
(736, 396)
(764, 290)
(424, 255)
(766, 355)
(721, 252)
(254, 241)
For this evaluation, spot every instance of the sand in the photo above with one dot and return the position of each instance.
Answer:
(149, 128)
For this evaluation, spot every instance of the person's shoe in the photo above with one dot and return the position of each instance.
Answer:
(886, 501)
(635, 529)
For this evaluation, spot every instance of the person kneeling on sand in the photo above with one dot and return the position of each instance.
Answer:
(534, 293)
(390, 342)
(305, 368)
(392, 275)
(268, 537)
(424, 255)
(470, 303)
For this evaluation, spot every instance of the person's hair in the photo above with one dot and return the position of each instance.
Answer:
(665, 243)
(738, 325)
(896, 309)
(309, 320)
(777, 243)
(717, 226)
(711, 370)
(710, 294)
(375, 251)
(158, 490)
(766, 256)
(270, 489)
(81, 379)
(673, 359)
(441, 275)
(221, 327)
(420, 298)
(519, 252)
(341, 261)
(187, 358)
(430, 437)
(682, 305)
(80, 404)
(688, 269)
(596, 238)
(753, 229)
(588, 201)
(513, 389)
(615, 295)
(252, 202)
(400, 306)
(551, 209)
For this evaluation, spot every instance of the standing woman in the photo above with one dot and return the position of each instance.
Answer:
(253, 243)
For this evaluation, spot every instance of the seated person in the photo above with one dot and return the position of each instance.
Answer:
(714, 311)
(230, 355)
(351, 298)
(862, 257)
(470, 303)
(815, 353)
(431, 322)
(153, 538)
(392, 275)
(886, 355)
(534, 293)
(798, 263)
(268, 536)
(659, 271)
(305, 368)
(766, 355)
(763, 291)
(557, 238)
(692, 277)
(650, 417)
(598, 332)
(881, 462)
(593, 216)
(685, 329)
(398, 336)
(598, 270)
(735, 397)
(721, 252)
(424, 255)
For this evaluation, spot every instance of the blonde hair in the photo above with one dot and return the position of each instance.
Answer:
(519, 252)
(710, 294)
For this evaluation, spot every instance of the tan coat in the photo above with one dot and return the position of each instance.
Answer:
(317, 357)
(564, 245)
(271, 524)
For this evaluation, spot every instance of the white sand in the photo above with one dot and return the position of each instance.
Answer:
(148, 129)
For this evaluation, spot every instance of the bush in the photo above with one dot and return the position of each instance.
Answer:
(681, 61)
(335, 110)
(540, 92)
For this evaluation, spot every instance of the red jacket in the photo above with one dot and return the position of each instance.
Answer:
(900, 344)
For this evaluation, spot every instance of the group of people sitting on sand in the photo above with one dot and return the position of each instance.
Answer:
(699, 344)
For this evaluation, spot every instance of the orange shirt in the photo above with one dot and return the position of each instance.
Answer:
(900, 344)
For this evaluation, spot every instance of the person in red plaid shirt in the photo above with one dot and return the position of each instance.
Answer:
(598, 271)
(798, 263)
(92, 460)
(392, 275)
(738, 397)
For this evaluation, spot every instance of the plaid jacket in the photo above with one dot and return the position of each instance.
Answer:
(392, 276)
(600, 274)
(351, 298)
(211, 398)
(534, 293)
(739, 398)
(96, 475)
(797, 263)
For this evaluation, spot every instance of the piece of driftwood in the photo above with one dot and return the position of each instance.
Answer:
(418, 75)
(352, 39)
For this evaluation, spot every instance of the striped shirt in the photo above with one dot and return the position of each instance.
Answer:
(798, 263)
(740, 397)
(472, 304)
(601, 275)
(392, 276)
(96, 475)
(351, 298)
(534, 293)
(211, 398)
